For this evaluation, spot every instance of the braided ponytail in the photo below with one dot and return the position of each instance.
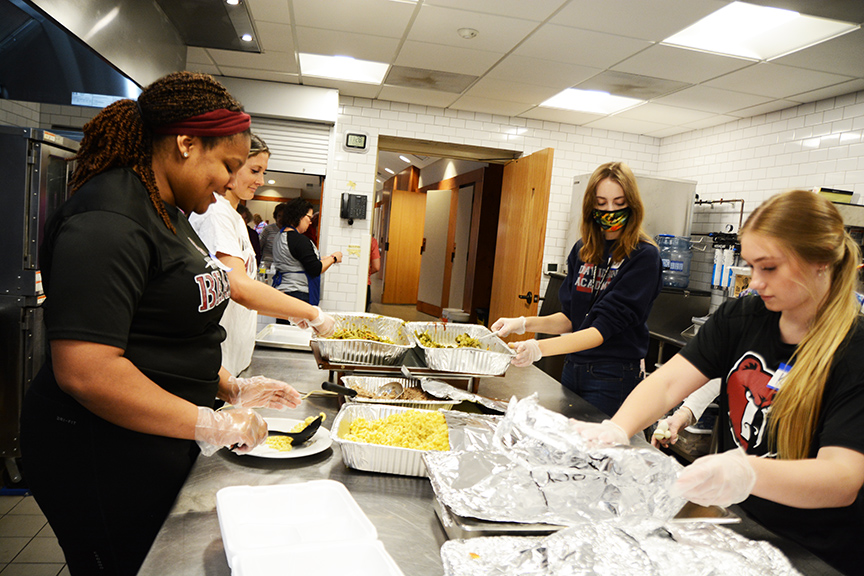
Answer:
(121, 135)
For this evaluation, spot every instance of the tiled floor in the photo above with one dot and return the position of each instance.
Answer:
(28, 546)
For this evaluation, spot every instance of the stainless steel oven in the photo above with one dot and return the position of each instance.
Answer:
(35, 170)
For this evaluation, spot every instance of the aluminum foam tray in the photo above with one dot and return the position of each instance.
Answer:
(491, 362)
(367, 351)
(374, 457)
(372, 384)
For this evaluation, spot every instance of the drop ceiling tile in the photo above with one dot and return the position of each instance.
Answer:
(445, 58)
(663, 114)
(198, 55)
(496, 33)
(765, 108)
(267, 75)
(345, 88)
(846, 10)
(274, 61)
(842, 55)
(535, 10)
(558, 115)
(541, 72)
(211, 69)
(673, 63)
(830, 92)
(774, 80)
(515, 91)
(334, 43)
(273, 37)
(627, 125)
(423, 79)
(711, 99)
(581, 47)
(371, 17)
(711, 121)
(631, 85)
(669, 131)
(270, 11)
(415, 96)
(489, 106)
(654, 20)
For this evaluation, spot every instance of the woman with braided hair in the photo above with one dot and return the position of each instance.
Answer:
(110, 423)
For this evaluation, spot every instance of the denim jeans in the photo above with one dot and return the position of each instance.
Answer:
(603, 384)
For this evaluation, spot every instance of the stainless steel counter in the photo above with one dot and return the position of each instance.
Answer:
(400, 507)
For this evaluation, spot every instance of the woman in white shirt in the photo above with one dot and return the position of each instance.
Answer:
(223, 231)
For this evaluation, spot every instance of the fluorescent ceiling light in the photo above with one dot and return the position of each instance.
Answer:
(593, 101)
(246, 37)
(389, 171)
(757, 32)
(404, 159)
(343, 68)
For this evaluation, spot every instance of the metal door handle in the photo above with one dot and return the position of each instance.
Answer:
(529, 297)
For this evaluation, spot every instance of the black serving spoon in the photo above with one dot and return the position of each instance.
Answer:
(298, 438)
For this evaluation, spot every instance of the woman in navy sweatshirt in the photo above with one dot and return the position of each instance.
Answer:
(613, 278)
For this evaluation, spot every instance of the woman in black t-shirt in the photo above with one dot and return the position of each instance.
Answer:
(792, 394)
(109, 424)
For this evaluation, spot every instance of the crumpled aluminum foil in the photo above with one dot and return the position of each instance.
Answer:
(536, 469)
(638, 546)
(443, 390)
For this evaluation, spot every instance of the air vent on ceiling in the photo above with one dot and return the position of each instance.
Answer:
(428, 79)
(631, 85)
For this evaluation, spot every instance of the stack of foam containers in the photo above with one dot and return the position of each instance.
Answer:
(305, 528)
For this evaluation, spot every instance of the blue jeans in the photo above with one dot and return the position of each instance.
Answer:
(603, 384)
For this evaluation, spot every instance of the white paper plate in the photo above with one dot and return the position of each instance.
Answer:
(318, 443)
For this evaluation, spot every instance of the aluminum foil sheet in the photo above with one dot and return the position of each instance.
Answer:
(443, 390)
(637, 546)
(491, 362)
(537, 470)
(372, 384)
(467, 432)
(358, 351)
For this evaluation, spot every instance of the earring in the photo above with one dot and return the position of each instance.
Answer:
(185, 154)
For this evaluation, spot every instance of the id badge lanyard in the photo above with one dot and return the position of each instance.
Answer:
(777, 379)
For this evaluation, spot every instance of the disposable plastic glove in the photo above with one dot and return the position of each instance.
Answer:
(527, 352)
(240, 428)
(323, 324)
(263, 392)
(607, 433)
(667, 429)
(506, 326)
(719, 479)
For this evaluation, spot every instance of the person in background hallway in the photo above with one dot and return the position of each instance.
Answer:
(260, 224)
(298, 264)
(791, 366)
(374, 267)
(613, 277)
(253, 235)
(269, 235)
(226, 237)
(110, 423)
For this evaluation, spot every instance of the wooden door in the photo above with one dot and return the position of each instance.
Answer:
(404, 241)
(521, 234)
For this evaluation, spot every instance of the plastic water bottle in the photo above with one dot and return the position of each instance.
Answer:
(676, 261)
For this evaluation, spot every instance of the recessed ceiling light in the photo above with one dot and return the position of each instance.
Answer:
(343, 68)
(389, 171)
(404, 159)
(271, 181)
(246, 37)
(232, 2)
(757, 32)
(593, 101)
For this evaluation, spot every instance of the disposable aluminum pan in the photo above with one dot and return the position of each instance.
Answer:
(371, 385)
(491, 362)
(374, 457)
(359, 351)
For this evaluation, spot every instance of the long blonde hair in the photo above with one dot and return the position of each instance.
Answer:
(593, 241)
(811, 230)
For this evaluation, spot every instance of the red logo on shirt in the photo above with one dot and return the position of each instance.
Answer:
(750, 401)
(214, 289)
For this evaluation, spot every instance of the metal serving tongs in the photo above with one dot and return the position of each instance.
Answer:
(441, 389)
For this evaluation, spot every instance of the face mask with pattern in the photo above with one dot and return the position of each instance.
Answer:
(611, 220)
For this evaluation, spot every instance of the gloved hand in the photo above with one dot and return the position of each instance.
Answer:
(240, 427)
(263, 392)
(607, 433)
(527, 352)
(718, 479)
(667, 429)
(506, 326)
(323, 324)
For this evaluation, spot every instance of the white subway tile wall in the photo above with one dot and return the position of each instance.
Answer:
(815, 144)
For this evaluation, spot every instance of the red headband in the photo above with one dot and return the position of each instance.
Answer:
(221, 122)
